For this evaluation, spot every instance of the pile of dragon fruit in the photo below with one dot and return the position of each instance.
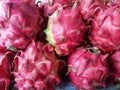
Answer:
(43, 41)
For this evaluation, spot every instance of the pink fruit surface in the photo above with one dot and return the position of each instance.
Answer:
(106, 29)
(50, 6)
(90, 8)
(115, 65)
(87, 70)
(19, 22)
(5, 69)
(37, 68)
(66, 30)
(117, 1)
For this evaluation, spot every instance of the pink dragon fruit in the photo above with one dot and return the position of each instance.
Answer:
(87, 68)
(65, 30)
(5, 68)
(50, 6)
(2, 46)
(37, 68)
(117, 1)
(19, 22)
(106, 29)
(4, 79)
(115, 65)
(90, 8)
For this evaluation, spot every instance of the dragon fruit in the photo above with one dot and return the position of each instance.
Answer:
(87, 68)
(37, 68)
(117, 1)
(5, 69)
(65, 30)
(50, 6)
(115, 65)
(2, 46)
(90, 8)
(106, 29)
(19, 22)
(4, 79)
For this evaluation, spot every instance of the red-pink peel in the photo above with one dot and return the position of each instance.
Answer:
(105, 29)
(66, 30)
(117, 1)
(37, 68)
(90, 8)
(19, 22)
(115, 65)
(87, 70)
(5, 69)
(50, 6)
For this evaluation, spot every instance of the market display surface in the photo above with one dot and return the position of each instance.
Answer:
(59, 44)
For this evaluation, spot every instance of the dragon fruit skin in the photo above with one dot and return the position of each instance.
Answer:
(117, 1)
(5, 69)
(105, 29)
(50, 6)
(65, 30)
(37, 68)
(4, 79)
(19, 22)
(90, 8)
(2, 46)
(87, 70)
(115, 65)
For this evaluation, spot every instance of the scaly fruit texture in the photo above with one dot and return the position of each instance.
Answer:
(90, 8)
(19, 22)
(65, 29)
(115, 65)
(37, 68)
(5, 69)
(106, 29)
(50, 6)
(87, 68)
